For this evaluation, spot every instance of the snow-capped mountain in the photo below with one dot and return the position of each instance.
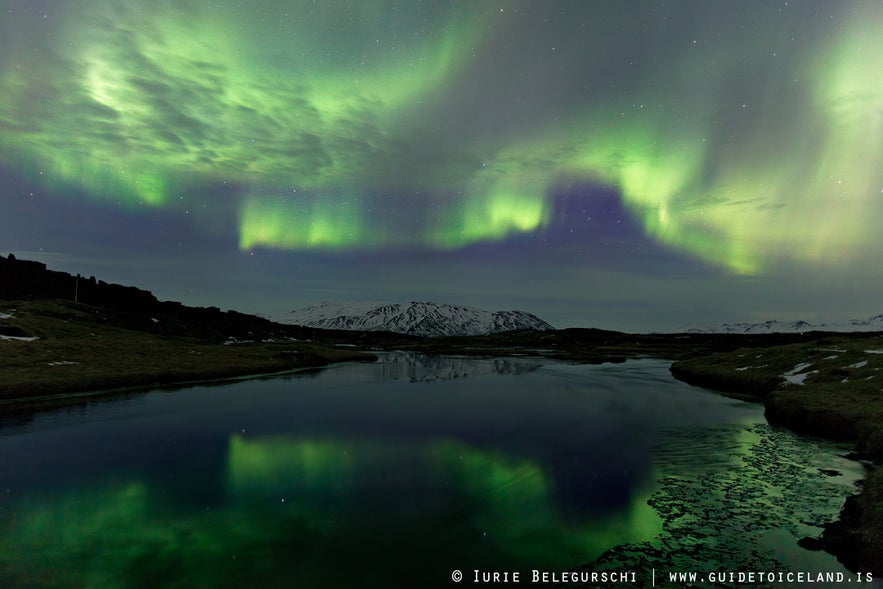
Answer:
(414, 318)
(874, 323)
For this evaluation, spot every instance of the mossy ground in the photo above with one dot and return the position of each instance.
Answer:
(838, 391)
(84, 348)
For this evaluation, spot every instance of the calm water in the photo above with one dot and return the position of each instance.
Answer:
(397, 473)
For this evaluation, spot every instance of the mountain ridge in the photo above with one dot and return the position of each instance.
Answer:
(421, 318)
(871, 324)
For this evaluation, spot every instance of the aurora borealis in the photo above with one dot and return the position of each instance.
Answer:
(646, 165)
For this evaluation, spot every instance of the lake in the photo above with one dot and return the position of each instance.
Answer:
(398, 473)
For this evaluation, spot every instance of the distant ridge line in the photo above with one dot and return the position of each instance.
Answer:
(421, 318)
(871, 324)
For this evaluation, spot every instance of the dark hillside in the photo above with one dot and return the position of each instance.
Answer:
(137, 309)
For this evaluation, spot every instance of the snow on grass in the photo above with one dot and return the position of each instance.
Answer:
(799, 378)
(798, 368)
(858, 364)
(17, 339)
(61, 363)
(744, 368)
(5, 315)
(831, 350)
(873, 351)
(795, 376)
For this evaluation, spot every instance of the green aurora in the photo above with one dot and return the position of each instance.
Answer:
(286, 501)
(292, 510)
(739, 138)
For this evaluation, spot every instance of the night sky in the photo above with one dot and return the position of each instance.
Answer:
(626, 165)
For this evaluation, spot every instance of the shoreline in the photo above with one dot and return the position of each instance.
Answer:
(827, 404)
(74, 387)
(49, 401)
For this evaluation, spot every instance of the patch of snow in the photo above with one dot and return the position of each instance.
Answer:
(858, 364)
(831, 350)
(5, 315)
(744, 368)
(845, 380)
(233, 341)
(834, 357)
(873, 351)
(17, 339)
(798, 368)
(154, 319)
(61, 363)
(799, 378)
(795, 376)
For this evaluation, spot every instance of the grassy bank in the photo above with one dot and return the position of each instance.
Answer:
(57, 347)
(830, 387)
